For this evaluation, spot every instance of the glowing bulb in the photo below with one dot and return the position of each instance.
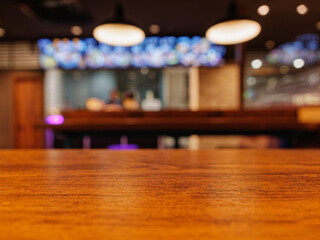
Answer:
(144, 71)
(270, 44)
(2, 32)
(302, 9)
(298, 63)
(119, 34)
(318, 25)
(233, 31)
(55, 119)
(251, 81)
(313, 78)
(94, 104)
(154, 29)
(256, 64)
(76, 30)
(263, 10)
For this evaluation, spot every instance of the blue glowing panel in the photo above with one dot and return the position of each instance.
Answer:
(306, 47)
(154, 52)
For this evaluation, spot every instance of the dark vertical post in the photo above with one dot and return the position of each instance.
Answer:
(240, 57)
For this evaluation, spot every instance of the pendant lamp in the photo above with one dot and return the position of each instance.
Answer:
(119, 31)
(233, 29)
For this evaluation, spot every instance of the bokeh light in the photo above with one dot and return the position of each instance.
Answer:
(154, 29)
(256, 64)
(302, 9)
(263, 10)
(76, 30)
(251, 81)
(2, 32)
(313, 78)
(298, 63)
(270, 44)
(55, 119)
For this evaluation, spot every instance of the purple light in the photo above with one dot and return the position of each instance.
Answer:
(123, 147)
(55, 119)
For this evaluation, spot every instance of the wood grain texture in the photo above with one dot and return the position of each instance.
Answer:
(152, 194)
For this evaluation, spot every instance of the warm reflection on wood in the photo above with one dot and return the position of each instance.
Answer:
(220, 194)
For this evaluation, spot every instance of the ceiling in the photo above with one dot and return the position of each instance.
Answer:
(34, 19)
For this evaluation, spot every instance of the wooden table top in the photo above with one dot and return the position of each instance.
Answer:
(153, 194)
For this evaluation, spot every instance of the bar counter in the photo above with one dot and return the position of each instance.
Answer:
(153, 194)
(183, 121)
(285, 124)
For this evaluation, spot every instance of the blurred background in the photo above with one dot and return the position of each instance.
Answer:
(62, 86)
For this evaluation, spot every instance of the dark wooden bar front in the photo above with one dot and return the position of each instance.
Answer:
(183, 123)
